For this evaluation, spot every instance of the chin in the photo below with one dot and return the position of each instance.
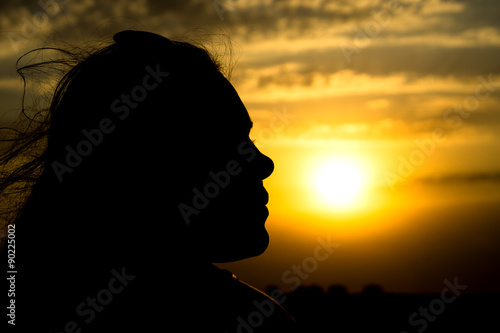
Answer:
(253, 243)
(238, 234)
(260, 243)
(254, 239)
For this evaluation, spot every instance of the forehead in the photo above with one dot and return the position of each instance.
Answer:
(228, 110)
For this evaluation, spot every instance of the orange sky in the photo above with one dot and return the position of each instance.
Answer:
(406, 92)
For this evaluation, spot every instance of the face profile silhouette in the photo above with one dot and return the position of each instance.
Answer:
(232, 200)
(167, 102)
(148, 177)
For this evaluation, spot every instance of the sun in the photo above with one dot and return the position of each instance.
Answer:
(339, 183)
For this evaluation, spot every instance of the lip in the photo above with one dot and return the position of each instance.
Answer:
(266, 198)
(257, 197)
(267, 212)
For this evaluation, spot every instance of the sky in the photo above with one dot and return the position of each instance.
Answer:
(382, 118)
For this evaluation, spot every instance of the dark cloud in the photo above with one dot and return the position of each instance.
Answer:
(478, 14)
(296, 19)
(462, 178)
(249, 23)
(413, 61)
(15, 4)
(428, 60)
(190, 8)
(301, 20)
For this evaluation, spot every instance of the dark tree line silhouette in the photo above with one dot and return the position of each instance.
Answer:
(373, 310)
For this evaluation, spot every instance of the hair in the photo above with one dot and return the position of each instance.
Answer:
(39, 137)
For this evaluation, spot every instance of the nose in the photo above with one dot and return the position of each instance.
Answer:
(265, 166)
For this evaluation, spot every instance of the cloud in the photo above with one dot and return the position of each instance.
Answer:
(461, 178)
(378, 61)
(428, 55)
(279, 84)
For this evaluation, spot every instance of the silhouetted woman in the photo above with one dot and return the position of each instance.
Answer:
(148, 177)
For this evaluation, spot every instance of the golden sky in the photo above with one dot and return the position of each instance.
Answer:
(382, 118)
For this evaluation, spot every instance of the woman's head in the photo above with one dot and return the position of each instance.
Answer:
(148, 139)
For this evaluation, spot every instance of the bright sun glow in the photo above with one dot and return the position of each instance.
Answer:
(339, 183)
